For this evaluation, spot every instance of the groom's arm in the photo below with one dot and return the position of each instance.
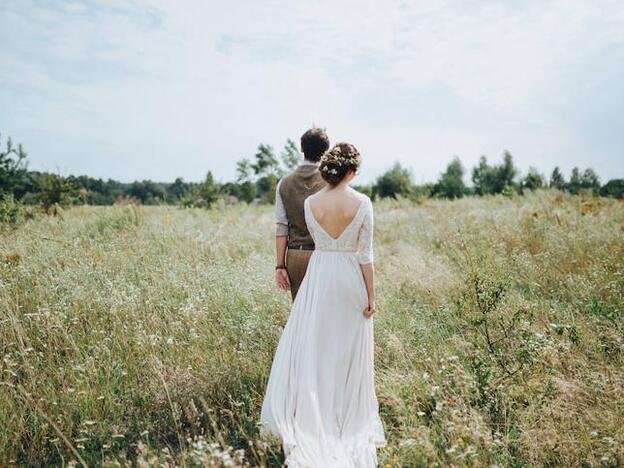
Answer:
(281, 241)
(280, 250)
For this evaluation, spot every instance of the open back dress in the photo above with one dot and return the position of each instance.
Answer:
(320, 399)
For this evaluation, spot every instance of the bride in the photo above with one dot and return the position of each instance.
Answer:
(320, 399)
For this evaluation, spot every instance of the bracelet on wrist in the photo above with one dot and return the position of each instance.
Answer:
(280, 267)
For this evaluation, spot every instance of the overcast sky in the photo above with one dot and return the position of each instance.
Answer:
(134, 89)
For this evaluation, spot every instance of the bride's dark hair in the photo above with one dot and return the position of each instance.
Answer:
(338, 161)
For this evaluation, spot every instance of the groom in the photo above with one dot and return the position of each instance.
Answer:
(293, 242)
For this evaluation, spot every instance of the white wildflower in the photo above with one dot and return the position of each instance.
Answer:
(407, 442)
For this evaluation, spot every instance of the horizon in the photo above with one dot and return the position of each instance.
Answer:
(150, 90)
(467, 175)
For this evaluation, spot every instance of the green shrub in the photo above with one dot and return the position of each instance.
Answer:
(12, 212)
(614, 188)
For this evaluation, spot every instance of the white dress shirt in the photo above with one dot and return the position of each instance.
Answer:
(281, 220)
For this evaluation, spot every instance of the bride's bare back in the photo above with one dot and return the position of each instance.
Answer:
(335, 208)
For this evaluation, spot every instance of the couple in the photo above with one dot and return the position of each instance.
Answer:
(320, 399)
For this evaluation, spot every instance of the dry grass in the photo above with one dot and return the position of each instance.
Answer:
(146, 334)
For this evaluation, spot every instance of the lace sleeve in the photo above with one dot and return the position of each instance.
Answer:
(365, 236)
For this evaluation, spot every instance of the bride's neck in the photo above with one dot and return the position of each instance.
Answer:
(344, 185)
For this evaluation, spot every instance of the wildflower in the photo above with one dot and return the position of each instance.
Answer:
(407, 442)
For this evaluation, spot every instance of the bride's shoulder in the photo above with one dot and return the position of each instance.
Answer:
(313, 196)
(361, 196)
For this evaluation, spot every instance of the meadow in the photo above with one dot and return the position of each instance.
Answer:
(144, 335)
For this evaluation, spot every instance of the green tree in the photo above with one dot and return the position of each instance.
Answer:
(267, 169)
(178, 189)
(590, 180)
(614, 188)
(11, 211)
(483, 177)
(13, 168)
(54, 191)
(291, 157)
(244, 177)
(147, 191)
(533, 180)
(265, 188)
(265, 163)
(247, 191)
(451, 183)
(394, 182)
(244, 170)
(494, 179)
(574, 186)
(208, 191)
(506, 172)
(244, 173)
(557, 181)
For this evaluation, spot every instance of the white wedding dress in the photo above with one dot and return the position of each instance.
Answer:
(320, 398)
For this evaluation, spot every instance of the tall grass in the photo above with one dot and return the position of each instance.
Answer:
(132, 334)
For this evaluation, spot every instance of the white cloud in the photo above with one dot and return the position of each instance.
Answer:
(157, 89)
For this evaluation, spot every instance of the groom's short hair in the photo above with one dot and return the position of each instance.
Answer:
(314, 143)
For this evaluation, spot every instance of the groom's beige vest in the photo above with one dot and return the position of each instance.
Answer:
(294, 189)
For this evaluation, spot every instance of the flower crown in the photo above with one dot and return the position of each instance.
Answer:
(338, 157)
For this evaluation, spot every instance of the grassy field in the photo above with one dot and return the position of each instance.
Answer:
(135, 334)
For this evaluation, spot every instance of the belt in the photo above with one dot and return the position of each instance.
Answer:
(301, 247)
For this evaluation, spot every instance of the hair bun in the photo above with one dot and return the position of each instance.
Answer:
(337, 162)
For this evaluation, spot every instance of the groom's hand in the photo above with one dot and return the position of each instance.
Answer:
(281, 279)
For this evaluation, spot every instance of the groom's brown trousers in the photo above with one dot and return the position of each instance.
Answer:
(296, 266)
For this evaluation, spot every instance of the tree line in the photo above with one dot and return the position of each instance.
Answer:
(257, 177)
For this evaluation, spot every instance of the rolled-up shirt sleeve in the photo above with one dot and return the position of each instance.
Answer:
(281, 220)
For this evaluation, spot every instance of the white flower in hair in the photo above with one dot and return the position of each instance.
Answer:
(333, 171)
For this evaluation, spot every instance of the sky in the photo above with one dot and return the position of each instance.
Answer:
(155, 89)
